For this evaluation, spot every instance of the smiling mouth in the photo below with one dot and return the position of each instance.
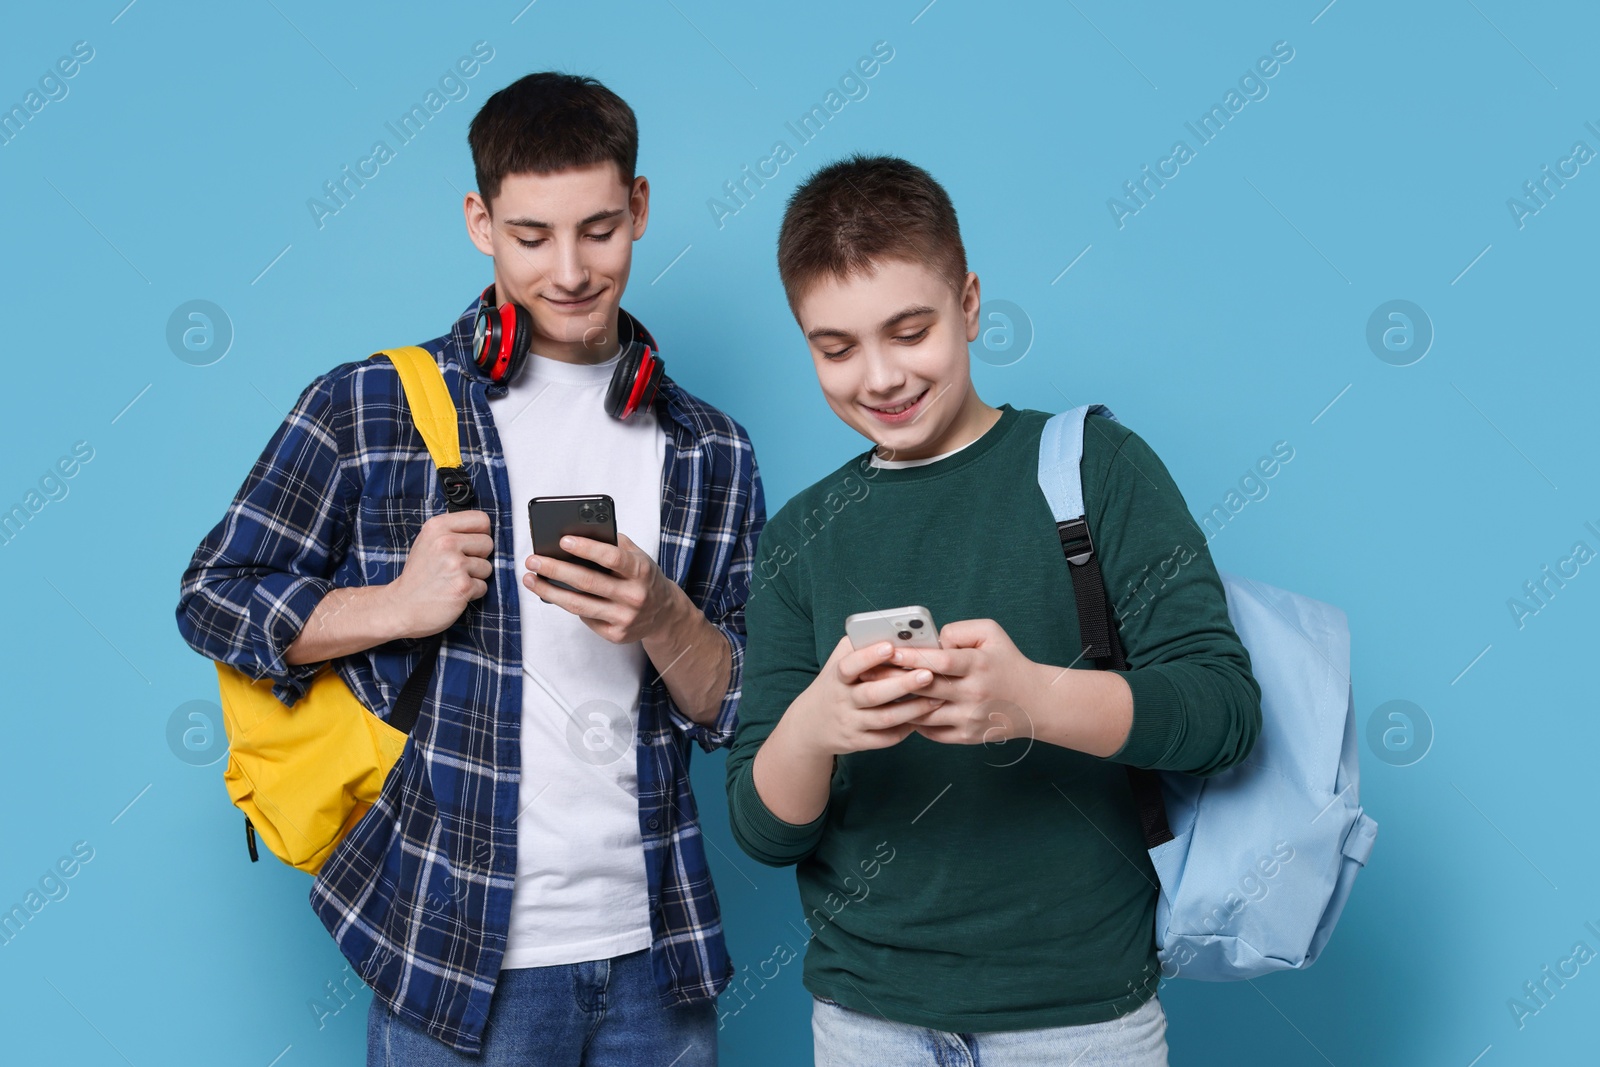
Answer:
(572, 303)
(900, 408)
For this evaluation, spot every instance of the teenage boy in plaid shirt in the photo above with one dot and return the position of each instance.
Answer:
(532, 886)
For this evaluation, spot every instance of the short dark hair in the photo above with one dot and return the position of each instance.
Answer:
(857, 211)
(548, 122)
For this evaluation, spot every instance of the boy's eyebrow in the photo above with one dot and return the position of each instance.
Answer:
(900, 316)
(535, 224)
(888, 324)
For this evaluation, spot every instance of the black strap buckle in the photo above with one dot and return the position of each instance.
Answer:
(458, 494)
(1075, 541)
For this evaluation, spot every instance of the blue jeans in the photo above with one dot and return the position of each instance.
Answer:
(848, 1038)
(601, 1014)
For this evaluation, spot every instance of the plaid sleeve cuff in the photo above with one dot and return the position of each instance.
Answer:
(719, 734)
(280, 606)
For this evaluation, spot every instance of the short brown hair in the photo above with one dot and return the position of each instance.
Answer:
(548, 122)
(853, 213)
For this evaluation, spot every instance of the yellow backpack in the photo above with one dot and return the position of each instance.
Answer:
(304, 776)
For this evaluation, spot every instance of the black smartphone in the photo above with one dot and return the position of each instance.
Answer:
(550, 518)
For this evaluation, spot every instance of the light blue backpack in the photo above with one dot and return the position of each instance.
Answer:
(1256, 862)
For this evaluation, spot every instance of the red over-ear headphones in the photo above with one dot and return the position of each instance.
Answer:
(502, 335)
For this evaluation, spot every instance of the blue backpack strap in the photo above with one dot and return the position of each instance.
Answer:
(1061, 479)
(1060, 457)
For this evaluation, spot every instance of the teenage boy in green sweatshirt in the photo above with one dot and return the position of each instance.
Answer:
(970, 860)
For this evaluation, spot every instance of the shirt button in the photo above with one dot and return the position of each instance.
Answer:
(653, 823)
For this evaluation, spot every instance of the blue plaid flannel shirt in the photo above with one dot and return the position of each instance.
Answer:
(418, 894)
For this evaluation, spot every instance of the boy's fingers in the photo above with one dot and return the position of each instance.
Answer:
(941, 715)
(574, 574)
(584, 605)
(941, 688)
(876, 694)
(952, 662)
(476, 544)
(887, 738)
(908, 715)
(474, 521)
(608, 556)
(856, 662)
(967, 633)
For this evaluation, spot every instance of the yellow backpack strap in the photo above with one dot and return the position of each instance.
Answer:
(429, 399)
(434, 414)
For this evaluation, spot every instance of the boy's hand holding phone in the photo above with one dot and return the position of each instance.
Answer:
(983, 680)
(851, 705)
(629, 600)
(992, 693)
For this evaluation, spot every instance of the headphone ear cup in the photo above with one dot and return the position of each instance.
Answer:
(621, 386)
(657, 368)
(486, 337)
(521, 342)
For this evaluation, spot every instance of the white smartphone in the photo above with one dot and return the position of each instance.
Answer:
(909, 627)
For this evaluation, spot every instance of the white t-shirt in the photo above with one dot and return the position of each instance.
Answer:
(580, 890)
(901, 464)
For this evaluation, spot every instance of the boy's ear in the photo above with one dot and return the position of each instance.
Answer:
(480, 227)
(971, 301)
(639, 204)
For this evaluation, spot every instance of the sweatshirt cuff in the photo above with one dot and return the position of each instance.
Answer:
(762, 834)
(1157, 719)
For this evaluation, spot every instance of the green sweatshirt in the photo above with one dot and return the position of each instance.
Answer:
(988, 887)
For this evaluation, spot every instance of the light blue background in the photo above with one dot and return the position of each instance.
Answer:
(1225, 316)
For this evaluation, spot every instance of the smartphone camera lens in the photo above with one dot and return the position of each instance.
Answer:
(904, 635)
(915, 624)
(602, 513)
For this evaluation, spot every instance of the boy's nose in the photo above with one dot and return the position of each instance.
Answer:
(571, 273)
(884, 375)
